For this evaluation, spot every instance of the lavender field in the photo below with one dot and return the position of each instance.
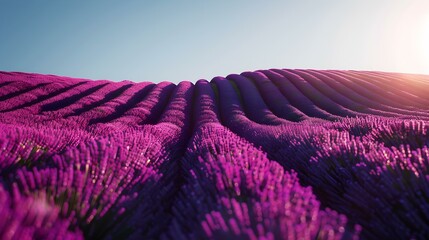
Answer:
(270, 154)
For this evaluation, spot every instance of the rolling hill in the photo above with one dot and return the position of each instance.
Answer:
(269, 154)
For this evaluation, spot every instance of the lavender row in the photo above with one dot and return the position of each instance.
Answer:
(233, 191)
(376, 93)
(306, 140)
(392, 90)
(111, 187)
(341, 179)
(305, 94)
(370, 101)
(99, 183)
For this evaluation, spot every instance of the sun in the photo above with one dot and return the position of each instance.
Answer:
(424, 44)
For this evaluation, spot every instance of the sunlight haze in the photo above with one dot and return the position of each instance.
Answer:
(190, 40)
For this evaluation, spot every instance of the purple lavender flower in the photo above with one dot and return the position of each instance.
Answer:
(270, 154)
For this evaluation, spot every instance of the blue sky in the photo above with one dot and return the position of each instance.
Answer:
(191, 40)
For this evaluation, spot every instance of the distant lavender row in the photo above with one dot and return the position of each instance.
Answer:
(270, 154)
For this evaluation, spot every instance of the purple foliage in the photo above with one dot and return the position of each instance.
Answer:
(270, 154)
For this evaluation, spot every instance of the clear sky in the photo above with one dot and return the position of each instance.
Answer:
(188, 40)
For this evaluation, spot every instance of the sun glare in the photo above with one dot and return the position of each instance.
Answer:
(425, 43)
